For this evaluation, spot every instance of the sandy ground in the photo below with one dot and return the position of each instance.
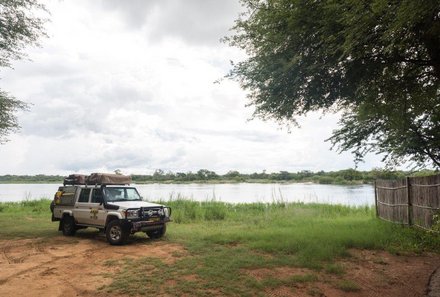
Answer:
(67, 266)
(74, 266)
(377, 274)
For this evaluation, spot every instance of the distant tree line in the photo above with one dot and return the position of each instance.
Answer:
(39, 178)
(346, 176)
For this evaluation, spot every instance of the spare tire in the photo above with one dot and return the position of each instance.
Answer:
(68, 226)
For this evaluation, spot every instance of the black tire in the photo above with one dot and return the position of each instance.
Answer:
(52, 206)
(116, 233)
(155, 234)
(68, 226)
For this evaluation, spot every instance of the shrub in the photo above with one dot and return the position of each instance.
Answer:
(325, 180)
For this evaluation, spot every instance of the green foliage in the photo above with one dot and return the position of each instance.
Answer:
(341, 177)
(19, 27)
(8, 121)
(377, 61)
(346, 176)
(326, 180)
(39, 178)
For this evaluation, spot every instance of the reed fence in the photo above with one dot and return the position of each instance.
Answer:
(409, 201)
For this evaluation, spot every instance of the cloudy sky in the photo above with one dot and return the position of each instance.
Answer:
(130, 85)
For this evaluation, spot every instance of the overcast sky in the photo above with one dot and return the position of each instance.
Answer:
(130, 85)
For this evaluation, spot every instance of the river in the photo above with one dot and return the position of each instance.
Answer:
(235, 193)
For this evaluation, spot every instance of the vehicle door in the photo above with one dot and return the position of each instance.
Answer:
(97, 211)
(82, 208)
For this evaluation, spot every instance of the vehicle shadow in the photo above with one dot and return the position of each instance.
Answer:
(93, 234)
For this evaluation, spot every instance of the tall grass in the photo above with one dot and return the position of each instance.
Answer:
(186, 211)
(40, 206)
(312, 232)
(27, 218)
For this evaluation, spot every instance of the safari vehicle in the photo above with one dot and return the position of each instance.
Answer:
(109, 203)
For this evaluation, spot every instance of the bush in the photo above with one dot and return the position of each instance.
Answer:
(325, 180)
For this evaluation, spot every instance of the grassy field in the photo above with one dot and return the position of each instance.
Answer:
(223, 240)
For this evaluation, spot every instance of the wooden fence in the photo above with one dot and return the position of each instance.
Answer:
(409, 201)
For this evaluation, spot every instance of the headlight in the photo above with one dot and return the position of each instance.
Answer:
(167, 212)
(132, 213)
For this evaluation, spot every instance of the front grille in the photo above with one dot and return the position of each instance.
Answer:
(151, 212)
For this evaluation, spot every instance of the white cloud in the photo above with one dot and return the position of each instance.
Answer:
(132, 87)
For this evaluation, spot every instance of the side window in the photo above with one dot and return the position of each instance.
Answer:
(84, 196)
(97, 196)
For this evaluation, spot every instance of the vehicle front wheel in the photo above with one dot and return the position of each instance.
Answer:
(116, 233)
(68, 226)
(154, 234)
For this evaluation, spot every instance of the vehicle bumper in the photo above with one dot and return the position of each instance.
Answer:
(137, 226)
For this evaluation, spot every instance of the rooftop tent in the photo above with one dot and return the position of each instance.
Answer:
(108, 179)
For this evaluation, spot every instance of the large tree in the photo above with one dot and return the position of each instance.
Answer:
(377, 62)
(19, 27)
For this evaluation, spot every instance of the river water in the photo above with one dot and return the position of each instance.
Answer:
(235, 193)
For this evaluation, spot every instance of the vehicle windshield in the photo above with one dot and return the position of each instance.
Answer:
(114, 194)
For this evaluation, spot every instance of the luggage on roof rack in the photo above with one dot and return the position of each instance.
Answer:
(75, 179)
(108, 179)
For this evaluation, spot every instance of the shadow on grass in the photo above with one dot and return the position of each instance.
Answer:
(95, 234)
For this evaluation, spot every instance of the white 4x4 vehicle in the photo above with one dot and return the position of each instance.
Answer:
(116, 209)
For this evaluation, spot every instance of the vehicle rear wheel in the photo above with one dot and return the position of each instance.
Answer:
(154, 234)
(68, 226)
(116, 233)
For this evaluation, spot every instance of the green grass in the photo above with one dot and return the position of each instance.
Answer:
(29, 218)
(224, 241)
(348, 286)
(334, 268)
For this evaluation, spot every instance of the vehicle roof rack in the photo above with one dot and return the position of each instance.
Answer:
(75, 179)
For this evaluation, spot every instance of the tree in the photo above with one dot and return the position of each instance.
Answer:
(377, 62)
(205, 174)
(19, 27)
(158, 174)
(232, 174)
